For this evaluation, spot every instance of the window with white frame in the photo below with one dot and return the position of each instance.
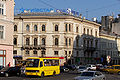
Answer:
(1, 9)
(1, 32)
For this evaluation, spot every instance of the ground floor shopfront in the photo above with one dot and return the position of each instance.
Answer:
(6, 55)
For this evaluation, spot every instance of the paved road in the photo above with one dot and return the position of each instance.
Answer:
(62, 76)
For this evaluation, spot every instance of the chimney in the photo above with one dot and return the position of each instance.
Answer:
(80, 16)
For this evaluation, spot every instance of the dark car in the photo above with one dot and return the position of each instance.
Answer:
(71, 67)
(1, 67)
(10, 71)
(64, 69)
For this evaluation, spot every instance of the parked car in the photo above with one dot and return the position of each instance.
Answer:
(114, 69)
(10, 71)
(90, 75)
(99, 67)
(71, 67)
(105, 68)
(64, 69)
(91, 67)
(1, 67)
(82, 69)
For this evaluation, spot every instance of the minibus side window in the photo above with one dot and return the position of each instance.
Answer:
(41, 64)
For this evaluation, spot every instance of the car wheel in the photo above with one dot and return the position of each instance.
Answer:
(54, 73)
(104, 79)
(18, 74)
(6, 74)
(42, 75)
(118, 73)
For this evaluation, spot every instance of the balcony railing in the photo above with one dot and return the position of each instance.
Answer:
(31, 47)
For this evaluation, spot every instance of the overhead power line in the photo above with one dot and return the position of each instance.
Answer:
(47, 4)
(103, 7)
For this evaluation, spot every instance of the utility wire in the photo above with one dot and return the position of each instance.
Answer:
(48, 4)
(96, 9)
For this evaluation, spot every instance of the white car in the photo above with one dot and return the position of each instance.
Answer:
(91, 67)
(82, 69)
(91, 75)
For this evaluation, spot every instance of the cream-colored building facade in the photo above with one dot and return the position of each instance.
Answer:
(110, 46)
(6, 31)
(72, 39)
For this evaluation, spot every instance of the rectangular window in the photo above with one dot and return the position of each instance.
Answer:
(34, 52)
(1, 9)
(55, 52)
(27, 52)
(15, 52)
(2, 57)
(66, 27)
(1, 32)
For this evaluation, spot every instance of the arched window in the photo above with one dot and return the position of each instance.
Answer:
(27, 28)
(96, 33)
(84, 31)
(66, 27)
(91, 31)
(87, 31)
(76, 29)
(56, 27)
(43, 27)
(56, 41)
(77, 41)
(43, 41)
(69, 42)
(15, 41)
(35, 41)
(27, 41)
(69, 27)
(66, 41)
(15, 27)
(35, 28)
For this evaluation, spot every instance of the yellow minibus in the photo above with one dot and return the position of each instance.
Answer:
(42, 66)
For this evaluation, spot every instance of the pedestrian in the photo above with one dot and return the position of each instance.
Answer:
(9, 64)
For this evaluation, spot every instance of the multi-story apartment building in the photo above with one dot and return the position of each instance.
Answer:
(72, 39)
(6, 31)
(109, 46)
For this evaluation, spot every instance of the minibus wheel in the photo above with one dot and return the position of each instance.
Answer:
(42, 75)
(54, 73)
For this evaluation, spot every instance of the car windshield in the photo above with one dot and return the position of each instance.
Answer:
(91, 74)
(33, 63)
(82, 67)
